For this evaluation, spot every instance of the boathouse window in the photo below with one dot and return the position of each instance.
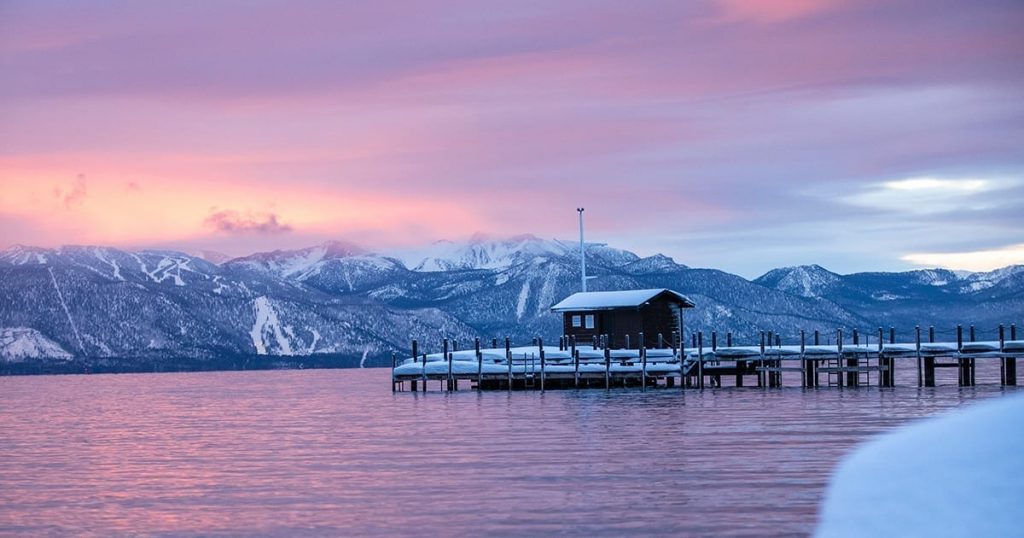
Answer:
(576, 321)
(590, 321)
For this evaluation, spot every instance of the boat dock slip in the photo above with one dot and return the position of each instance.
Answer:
(595, 365)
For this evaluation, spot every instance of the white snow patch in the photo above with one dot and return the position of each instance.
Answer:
(267, 324)
(316, 338)
(20, 343)
(956, 475)
(111, 262)
(524, 296)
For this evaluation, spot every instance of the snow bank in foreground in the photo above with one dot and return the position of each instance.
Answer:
(957, 475)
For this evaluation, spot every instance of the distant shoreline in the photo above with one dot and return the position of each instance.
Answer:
(121, 365)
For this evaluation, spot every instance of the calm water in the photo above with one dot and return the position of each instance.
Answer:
(333, 452)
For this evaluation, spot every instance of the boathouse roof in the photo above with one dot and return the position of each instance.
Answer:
(611, 300)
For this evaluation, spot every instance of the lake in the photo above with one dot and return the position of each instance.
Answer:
(334, 452)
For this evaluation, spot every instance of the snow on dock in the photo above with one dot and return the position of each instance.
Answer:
(569, 365)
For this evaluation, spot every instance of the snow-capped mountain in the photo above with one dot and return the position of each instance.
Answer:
(803, 280)
(484, 252)
(339, 300)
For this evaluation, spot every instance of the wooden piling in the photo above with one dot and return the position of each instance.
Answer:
(760, 364)
(816, 340)
(576, 360)
(447, 356)
(508, 357)
(728, 339)
(607, 365)
(1011, 363)
(714, 347)
(540, 346)
(424, 372)
(970, 364)
(839, 356)
(803, 359)
(479, 363)
(920, 375)
(394, 364)
(700, 360)
(642, 349)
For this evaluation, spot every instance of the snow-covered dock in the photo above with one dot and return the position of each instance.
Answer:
(568, 365)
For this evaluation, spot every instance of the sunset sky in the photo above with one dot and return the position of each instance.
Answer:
(740, 135)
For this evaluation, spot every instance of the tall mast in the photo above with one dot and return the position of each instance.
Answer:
(583, 254)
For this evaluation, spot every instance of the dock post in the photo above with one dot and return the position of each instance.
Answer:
(971, 363)
(853, 377)
(424, 355)
(661, 341)
(479, 364)
(714, 347)
(627, 341)
(740, 365)
(576, 367)
(961, 378)
(394, 363)
(816, 340)
(886, 375)
(494, 343)
(540, 346)
(508, 358)
(642, 349)
(700, 359)
(917, 338)
(594, 341)
(1002, 360)
(1011, 362)
(576, 360)
(839, 355)
(760, 364)
(803, 360)
(607, 364)
(447, 356)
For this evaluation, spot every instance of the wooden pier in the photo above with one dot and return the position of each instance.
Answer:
(661, 362)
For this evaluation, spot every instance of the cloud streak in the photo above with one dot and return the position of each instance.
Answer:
(247, 222)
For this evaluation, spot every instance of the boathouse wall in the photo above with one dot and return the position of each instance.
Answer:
(658, 316)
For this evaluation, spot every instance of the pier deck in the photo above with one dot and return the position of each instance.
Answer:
(540, 367)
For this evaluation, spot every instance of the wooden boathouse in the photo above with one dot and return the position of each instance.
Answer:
(619, 314)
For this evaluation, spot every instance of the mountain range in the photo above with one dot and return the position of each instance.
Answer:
(338, 301)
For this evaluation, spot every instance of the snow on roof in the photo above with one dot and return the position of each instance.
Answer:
(607, 300)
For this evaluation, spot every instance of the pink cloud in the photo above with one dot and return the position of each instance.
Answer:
(230, 221)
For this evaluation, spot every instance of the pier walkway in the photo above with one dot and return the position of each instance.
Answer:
(568, 365)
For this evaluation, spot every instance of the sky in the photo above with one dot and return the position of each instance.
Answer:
(740, 135)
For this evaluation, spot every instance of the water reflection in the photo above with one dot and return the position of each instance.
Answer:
(334, 452)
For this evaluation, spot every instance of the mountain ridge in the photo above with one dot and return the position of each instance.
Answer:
(338, 298)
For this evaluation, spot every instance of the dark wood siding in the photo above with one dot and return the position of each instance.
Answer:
(657, 316)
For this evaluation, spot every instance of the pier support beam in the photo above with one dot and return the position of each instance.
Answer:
(929, 371)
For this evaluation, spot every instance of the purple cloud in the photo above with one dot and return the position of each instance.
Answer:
(235, 222)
